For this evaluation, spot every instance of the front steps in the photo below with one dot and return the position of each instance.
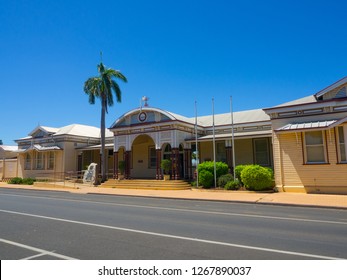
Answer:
(147, 184)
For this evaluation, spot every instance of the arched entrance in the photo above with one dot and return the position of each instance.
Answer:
(176, 155)
(143, 163)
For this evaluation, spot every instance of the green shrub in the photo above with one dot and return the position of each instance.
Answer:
(232, 185)
(221, 168)
(224, 179)
(16, 181)
(238, 170)
(271, 171)
(256, 177)
(206, 178)
(166, 166)
(28, 181)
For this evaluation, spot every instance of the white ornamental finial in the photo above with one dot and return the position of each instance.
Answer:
(145, 99)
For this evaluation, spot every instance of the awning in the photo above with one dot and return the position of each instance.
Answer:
(237, 135)
(108, 146)
(40, 148)
(314, 125)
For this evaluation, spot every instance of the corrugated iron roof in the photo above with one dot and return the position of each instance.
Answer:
(307, 125)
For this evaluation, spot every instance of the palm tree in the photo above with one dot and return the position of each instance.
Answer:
(103, 87)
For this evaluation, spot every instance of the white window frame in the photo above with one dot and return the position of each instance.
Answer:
(40, 161)
(323, 145)
(51, 160)
(27, 161)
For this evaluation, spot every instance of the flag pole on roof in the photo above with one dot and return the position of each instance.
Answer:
(214, 146)
(196, 146)
(232, 135)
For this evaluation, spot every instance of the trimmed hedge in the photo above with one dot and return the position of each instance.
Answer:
(238, 170)
(221, 167)
(206, 178)
(257, 178)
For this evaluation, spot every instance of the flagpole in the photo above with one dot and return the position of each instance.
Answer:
(232, 135)
(196, 146)
(214, 146)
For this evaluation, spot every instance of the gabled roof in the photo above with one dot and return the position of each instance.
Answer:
(78, 130)
(82, 130)
(166, 115)
(314, 98)
(45, 129)
(331, 87)
(300, 101)
(9, 148)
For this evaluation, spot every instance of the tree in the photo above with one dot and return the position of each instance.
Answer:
(103, 87)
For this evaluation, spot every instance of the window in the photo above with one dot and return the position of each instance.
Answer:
(261, 152)
(342, 144)
(40, 161)
(50, 160)
(315, 151)
(152, 161)
(27, 163)
(220, 153)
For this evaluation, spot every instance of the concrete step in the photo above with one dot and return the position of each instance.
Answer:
(147, 184)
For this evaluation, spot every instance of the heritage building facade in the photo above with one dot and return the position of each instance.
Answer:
(303, 140)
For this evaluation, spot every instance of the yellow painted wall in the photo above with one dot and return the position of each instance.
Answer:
(140, 162)
(288, 151)
(70, 157)
(243, 151)
(206, 151)
(8, 168)
(56, 173)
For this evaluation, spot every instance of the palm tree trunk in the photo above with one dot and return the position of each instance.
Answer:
(102, 152)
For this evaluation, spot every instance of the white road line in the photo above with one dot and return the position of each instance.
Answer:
(42, 252)
(34, 256)
(178, 237)
(188, 210)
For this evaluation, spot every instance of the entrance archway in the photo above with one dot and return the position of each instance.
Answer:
(143, 163)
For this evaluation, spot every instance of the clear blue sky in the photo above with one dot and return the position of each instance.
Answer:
(263, 53)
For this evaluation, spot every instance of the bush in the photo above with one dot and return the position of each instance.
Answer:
(224, 179)
(28, 181)
(20, 181)
(257, 178)
(271, 171)
(238, 170)
(221, 168)
(206, 178)
(16, 181)
(166, 166)
(232, 185)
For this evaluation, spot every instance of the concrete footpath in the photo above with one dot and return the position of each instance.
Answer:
(280, 198)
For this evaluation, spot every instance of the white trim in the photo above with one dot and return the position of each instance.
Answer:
(316, 145)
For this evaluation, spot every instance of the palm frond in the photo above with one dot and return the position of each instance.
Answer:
(117, 91)
(104, 86)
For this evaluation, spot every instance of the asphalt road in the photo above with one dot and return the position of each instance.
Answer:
(58, 225)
